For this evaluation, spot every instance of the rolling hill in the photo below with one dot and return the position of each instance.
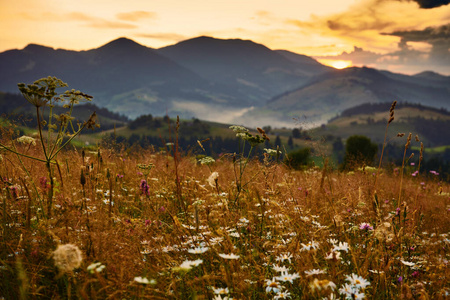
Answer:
(332, 92)
(243, 65)
(229, 81)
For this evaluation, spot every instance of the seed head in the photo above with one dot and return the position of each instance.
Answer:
(67, 257)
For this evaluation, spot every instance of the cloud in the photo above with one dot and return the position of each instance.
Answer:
(417, 50)
(96, 22)
(437, 37)
(431, 3)
(87, 20)
(136, 15)
(363, 22)
(163, 36)
(358, 56)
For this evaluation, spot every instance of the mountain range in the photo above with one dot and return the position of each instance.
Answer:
(233, 80)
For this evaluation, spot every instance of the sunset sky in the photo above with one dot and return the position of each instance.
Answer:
(406, 36)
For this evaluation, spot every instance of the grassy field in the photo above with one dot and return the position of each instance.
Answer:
(151, 225)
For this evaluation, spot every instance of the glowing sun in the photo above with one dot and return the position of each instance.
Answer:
(337, 64)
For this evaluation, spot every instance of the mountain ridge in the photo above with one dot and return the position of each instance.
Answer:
(228, 80)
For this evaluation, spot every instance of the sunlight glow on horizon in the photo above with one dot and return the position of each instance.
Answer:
(337, 64)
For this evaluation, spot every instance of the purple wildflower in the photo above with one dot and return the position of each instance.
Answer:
(144, 187)
(365, 226)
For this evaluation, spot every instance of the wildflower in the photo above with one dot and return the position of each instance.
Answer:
(67, 257)
(314, 272)
(198, 250)
(43, 183)
(342, 246)
(285, 276)
(188, 264)
(357, 281)
(272, 152)
(106, 201)
(310, 246)
(229, 256)
(144, 187)
(280, 269)
(219, 297)
(407, 263)
(238, 129)
(333, 255)
(207, 160)
(282, 295)
(365, 226)
(272, 286)
(141, 280)
(333, 241)
(434, 172)
(322, 284)
(26, 140)
(95, 267)
(221, 291)
(234, 234)
(283, 257)
(348, 290)
(212, 179)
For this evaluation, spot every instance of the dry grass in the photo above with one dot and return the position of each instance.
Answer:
(280, 212)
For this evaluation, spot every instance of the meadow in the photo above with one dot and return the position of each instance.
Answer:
(119, 223)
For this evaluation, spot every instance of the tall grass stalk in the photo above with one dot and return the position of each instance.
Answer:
(391, 118)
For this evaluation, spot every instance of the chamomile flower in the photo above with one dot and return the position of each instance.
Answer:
(333, 255)
(198, 250)
(229, 256)
(282, 295)
(283, 257)
(188, 264)
(141, 280)
(408, 263)
(314, 272)
(310, 246)
(285, 276)
(272, 285)
(342, 246)
(221, 291)
(357, 281)
(280, 269)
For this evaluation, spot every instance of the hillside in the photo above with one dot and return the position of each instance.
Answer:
(228, 81)
(122, 75)
(251, 68)
(330, 93)
(371, 119)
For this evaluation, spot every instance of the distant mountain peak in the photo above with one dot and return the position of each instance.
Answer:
(122, 42)
(35, 48)
(429, 74)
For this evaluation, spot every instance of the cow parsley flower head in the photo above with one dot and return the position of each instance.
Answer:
(26, 140)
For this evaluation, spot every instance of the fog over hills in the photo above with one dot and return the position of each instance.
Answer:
(232, 80)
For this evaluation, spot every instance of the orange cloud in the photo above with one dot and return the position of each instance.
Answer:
(163, 36)
(136, 15)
